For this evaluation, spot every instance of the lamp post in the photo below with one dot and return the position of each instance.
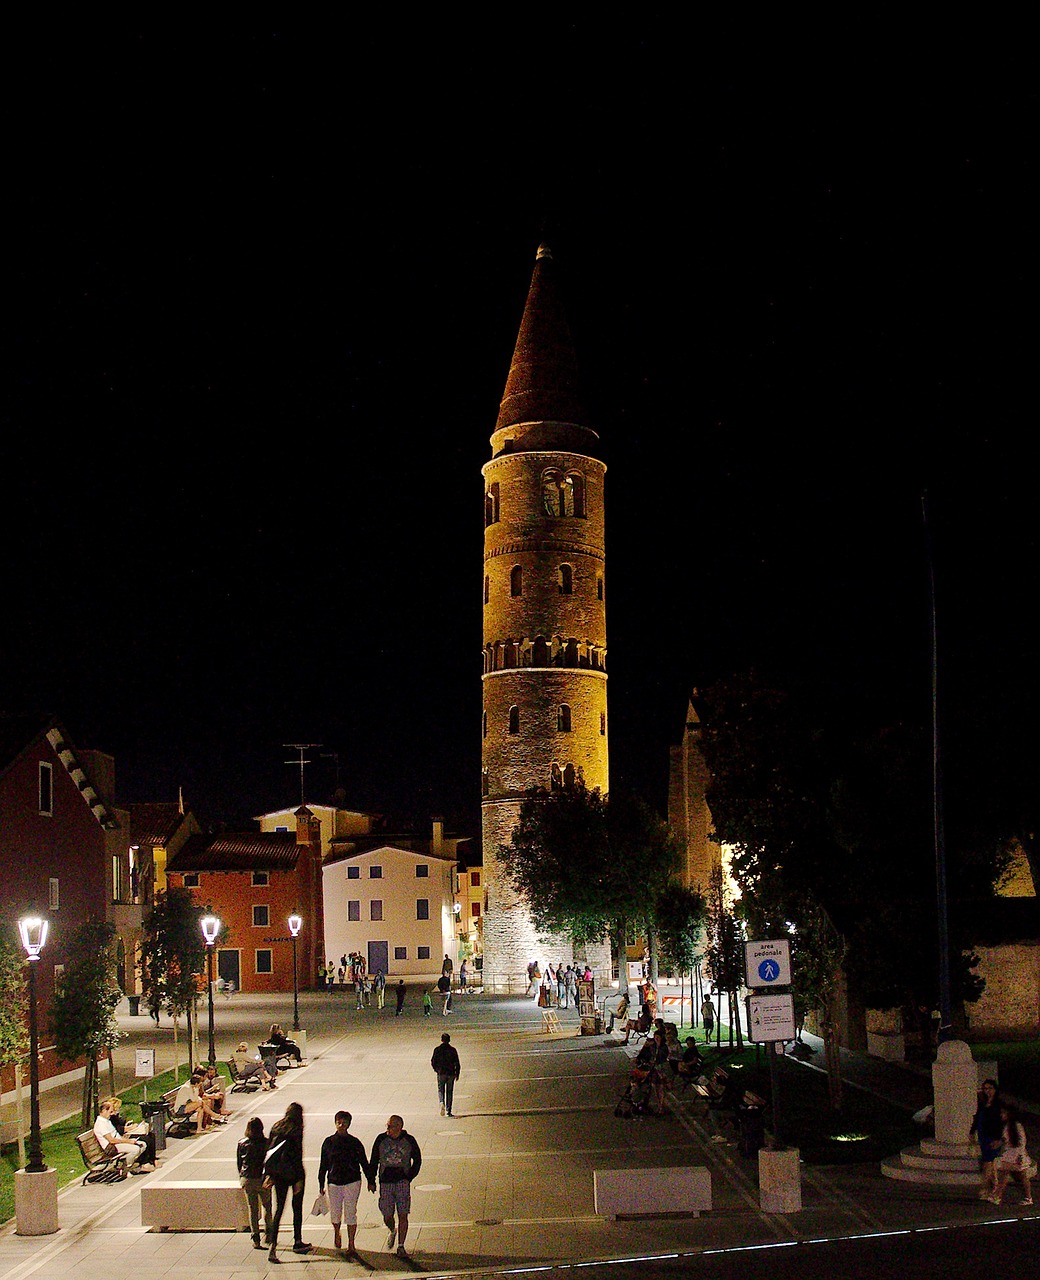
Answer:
(295, 925)
(33, 930)
(210, 926)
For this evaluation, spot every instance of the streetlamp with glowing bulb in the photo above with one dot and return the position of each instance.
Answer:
(33, 930)
(210, 926)
(295, 925)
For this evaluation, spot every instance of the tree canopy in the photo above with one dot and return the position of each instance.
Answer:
(14, 1030)
(587, 864)
(83, 1012)
(173, 951)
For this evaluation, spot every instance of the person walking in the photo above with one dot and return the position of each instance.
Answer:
(988, 1129)
(284, 1166)
(343, 1161)
(447, 967)
(445, 1062)
(463, 976)
(708, 1018)
(397, 1159)
(444, 987)
(250, 1161)
(427, 1004)
(399, 991)
(1014, 1158)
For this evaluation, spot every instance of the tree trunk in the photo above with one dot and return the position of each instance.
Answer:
(833, 1061)
(651, 939)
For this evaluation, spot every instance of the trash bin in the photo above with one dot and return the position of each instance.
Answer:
(157, 1114)
(752, 1129)
(135, 1005)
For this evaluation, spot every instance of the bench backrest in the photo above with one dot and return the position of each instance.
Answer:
(91, 1149)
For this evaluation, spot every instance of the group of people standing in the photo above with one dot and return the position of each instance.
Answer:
(271, 1172)
(555, 985)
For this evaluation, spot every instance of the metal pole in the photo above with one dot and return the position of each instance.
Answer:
(36, 1162)
(212, 1049)
(295, 990)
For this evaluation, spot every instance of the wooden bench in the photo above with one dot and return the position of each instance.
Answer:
(194, 1206)
(550, 1022)
(104, 1164)
(635, 1193)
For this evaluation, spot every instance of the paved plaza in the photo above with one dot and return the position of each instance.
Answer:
(506, 1183)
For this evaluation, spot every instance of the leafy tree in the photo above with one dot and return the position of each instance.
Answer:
(679, 915)
(173, 951)
(723, 951)
(14, 1002)
(83, 1012)
(589, 866)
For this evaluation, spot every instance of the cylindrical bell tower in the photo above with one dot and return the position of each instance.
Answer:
(544, 716)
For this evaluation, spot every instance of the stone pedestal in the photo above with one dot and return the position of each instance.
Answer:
(955, 1082)
(36, 1202)
(301, 1039)
(779, 1181)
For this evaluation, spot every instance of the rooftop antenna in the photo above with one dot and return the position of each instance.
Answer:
(301, 747)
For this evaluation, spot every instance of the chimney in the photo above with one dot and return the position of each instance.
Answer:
(437, 843)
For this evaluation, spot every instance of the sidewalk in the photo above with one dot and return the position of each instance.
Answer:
(506, 1183)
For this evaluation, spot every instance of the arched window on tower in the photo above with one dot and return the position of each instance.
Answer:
(555, 778)
(551, 496)
(568, 776)
(603, 724)
(541, 652)
(485, 783)
(570, 658)
(563, 719)
(487, 588)
(491, 505)
(575, 494)
(514, 719)
(516, 580)
(566, 579)
(599, 588)
(485, 724)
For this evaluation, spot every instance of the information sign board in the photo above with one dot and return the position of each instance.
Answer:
(770, 1017)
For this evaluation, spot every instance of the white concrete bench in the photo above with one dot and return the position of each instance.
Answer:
(622, 1193)
(194, 1206)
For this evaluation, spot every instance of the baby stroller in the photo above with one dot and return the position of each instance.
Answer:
(637, 1100)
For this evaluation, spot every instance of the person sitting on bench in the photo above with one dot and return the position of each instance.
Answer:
(251, 1066)
(214, 1091)
(640, 1025)
(133, 1148)
(283, 1044)
(620, 1013)
(190, 1105)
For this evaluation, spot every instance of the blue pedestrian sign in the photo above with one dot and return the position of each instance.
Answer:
(768, 964)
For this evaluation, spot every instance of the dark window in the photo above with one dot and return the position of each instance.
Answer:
(46, 789)
(599, 588)
(474, 909)
(422, 908)
(376, 909)
(485, 783)
(191, 880)
(353, 909)
(400, 953)
(514, 719)
(264, 961)
(566, 580)
(576, 485)
(375, 873)
(568, 775)
(563, 719)
(555, 778)
(53, 894)
(424, 953)
(485, 724)
(261, 917)
(516, 580)
(260, 877)
(487, 588)
(603, 722)
(353, 873)
(422, 870)
(491, 505)
(474, 879)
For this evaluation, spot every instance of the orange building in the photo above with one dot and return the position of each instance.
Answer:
(253, 881)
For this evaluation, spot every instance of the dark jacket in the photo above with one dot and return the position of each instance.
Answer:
(343, 1161)
(445, 1061)
(395, 1158)
(250, 1157)
(286, 1163)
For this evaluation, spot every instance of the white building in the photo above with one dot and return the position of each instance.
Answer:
(394, 898)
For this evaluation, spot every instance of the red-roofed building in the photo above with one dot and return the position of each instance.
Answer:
(254, 880)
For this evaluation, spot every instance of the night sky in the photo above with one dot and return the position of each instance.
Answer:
(262, 288)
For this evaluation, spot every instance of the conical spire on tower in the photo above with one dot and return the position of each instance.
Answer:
(543, 384)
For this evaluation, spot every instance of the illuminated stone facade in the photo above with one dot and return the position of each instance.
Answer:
(545, 644)
(688, 814)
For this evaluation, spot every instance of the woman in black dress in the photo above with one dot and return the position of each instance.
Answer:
(284, 1167)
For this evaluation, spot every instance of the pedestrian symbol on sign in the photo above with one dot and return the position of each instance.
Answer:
(769, 970)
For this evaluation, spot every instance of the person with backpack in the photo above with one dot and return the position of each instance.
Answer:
(397, 1160)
